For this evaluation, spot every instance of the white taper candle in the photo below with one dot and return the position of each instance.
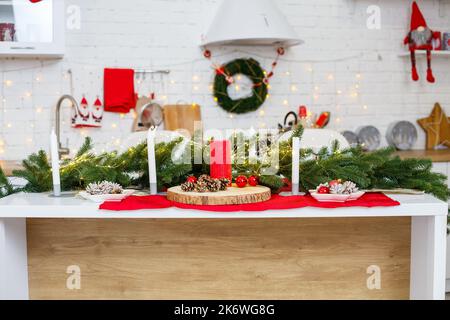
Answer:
(152, 161)
(55, 164)
(295, 166)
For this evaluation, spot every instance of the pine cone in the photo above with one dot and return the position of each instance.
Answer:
(104, 187)
(188, 187)
(93, 189)
(214, 185)
(116, 189)
(337, 189)
(201, 187)
(204, 178)
(224, 183)
(350, 187)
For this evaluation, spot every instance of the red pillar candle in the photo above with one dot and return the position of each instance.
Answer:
(220, 162)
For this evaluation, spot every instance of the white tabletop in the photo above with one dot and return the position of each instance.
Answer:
(43, 205)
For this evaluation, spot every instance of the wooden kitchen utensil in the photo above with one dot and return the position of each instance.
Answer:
(181, 116)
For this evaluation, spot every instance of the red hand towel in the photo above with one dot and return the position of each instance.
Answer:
(119, 94)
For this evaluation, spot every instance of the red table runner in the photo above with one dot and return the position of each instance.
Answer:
(277, 202)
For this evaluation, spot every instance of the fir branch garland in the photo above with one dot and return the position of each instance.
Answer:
(379, 169)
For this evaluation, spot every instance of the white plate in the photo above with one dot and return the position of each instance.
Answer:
(336, 197)
(356, 195)
(106, 197)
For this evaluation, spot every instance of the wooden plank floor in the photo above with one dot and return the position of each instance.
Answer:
(219, 259)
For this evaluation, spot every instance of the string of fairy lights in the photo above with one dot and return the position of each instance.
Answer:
(193, 84)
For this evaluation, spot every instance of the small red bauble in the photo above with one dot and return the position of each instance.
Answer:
(253, 181)
(281, 51)
(241, 181)
(192, 179)
(323, 190)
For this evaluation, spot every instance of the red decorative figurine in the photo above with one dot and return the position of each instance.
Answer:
(420, 37)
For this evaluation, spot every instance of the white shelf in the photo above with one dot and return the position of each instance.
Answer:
(434, 53)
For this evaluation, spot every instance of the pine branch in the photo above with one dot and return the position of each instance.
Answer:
(6, 188)
(275, 183)
(85, 148)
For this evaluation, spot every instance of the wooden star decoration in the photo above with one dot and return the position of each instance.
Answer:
(437, 128)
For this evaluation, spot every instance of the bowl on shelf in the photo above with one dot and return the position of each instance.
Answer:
(106, 197)
(329, 197)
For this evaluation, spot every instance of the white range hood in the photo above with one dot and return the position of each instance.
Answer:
(250, 22)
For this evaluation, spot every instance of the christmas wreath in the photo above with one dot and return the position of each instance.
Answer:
(224, 78)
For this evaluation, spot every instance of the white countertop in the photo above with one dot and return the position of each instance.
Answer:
(43, 205)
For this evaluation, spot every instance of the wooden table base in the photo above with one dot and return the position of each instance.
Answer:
(220, 259)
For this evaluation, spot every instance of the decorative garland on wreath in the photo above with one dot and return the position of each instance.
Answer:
(224, 78)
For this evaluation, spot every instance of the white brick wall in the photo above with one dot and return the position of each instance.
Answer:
(165, 34)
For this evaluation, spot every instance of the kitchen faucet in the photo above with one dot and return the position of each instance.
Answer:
(62, 151)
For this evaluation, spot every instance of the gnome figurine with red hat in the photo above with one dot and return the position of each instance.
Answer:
(420, 37)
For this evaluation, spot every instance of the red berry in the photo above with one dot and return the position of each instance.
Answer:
(241, 181)
(253, 181)
(191, 179)
(323, 190)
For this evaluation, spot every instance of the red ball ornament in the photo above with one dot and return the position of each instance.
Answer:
(281, 51)
(323, 190)
(191, 179)
(253, 181)
(241, 181)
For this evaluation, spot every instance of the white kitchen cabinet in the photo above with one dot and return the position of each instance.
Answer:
(32, 29)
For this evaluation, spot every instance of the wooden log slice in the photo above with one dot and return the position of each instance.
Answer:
(231, 196)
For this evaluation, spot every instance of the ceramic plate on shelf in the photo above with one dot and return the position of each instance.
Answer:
(336, 197)
(106, 197)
